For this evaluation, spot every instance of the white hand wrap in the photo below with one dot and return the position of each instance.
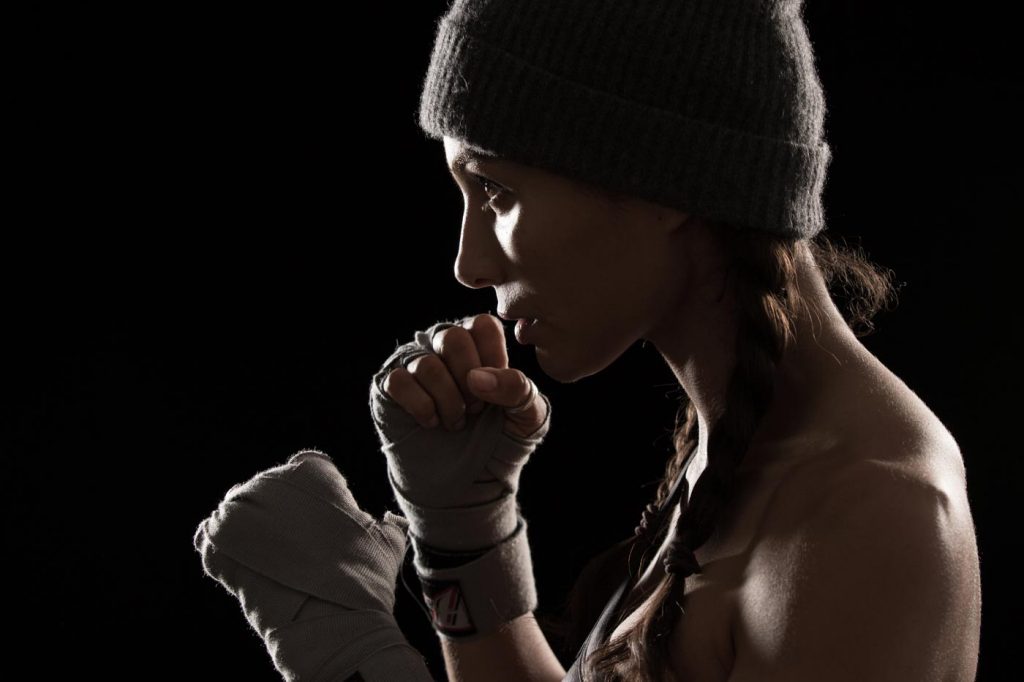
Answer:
(314, 573)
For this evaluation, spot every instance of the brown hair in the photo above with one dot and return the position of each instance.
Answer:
(768, 302)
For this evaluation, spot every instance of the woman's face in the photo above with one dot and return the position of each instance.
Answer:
(597, 275)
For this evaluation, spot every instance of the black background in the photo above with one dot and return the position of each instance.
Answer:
(220, 223)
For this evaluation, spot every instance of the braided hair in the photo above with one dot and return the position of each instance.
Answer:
(768, 303)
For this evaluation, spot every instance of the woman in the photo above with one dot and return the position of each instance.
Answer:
(653, 170)
(633, 171)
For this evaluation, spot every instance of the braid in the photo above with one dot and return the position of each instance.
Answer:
(686, 437)
(768, 301)
(766, 297)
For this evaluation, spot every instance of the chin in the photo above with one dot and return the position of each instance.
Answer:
(566, 370)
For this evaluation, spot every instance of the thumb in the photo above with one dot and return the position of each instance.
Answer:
(511, 389)
(506, 387)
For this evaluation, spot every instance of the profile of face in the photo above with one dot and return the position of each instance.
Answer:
(597, 274)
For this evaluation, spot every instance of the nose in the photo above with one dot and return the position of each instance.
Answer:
(477, 264)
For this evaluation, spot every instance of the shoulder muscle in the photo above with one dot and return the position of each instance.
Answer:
(884, 587)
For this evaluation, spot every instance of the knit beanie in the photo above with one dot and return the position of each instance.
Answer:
(712, 107)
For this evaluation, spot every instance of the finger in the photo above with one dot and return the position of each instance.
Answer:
(403, 388)
(434, 376)
(489, 336)
(458, 349)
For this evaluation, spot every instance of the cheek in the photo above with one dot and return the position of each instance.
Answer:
(637, 284)
(597, 263)
(584, 269)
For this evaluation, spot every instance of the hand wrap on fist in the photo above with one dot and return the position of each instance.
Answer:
(458, 491)
(314, 573)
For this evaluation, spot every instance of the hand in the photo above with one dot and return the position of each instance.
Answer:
(437, 388)
(315, 574)
(457, 488)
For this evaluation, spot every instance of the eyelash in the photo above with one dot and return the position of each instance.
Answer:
(485, 183)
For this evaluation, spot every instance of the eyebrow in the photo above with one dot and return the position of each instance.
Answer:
(464, 156)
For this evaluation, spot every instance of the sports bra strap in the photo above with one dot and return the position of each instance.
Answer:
(602, 628)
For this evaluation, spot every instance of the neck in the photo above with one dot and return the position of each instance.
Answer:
(807, 380)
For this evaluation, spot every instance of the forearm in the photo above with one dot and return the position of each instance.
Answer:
(517, 653)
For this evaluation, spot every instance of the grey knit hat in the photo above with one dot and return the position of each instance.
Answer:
(710, 106)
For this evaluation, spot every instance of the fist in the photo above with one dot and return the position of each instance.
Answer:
(442, 388)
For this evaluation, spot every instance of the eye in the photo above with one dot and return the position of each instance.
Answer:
(487, 186)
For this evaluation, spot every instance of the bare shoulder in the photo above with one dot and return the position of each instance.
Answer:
(873, 568)
(909, 470)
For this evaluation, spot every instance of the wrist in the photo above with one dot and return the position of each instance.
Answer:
(430, 557)
(480, 595)
(468, 530)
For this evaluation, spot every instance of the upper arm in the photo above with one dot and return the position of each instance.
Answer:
(884, 587)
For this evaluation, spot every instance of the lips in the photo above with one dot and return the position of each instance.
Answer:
(524, 330)
(512, 316)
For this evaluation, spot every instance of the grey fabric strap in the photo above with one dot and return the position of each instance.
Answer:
(483, 595)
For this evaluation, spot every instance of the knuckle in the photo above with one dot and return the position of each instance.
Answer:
(399, 387)
(485, 325)
(458, 342)
(393, 381)
(474, 321)
(428, 366)
(524, 383)
(417, 404)
(443, 336)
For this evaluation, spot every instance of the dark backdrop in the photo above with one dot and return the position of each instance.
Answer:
(220, 223)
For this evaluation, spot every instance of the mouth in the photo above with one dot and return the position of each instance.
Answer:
(525, 330)
(510, 315)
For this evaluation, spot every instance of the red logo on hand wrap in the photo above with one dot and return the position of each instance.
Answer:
(447, 607)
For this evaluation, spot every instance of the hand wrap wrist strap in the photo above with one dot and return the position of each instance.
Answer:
(471, 594)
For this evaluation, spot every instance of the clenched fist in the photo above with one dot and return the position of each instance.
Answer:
(457, 486)
(436, 388)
